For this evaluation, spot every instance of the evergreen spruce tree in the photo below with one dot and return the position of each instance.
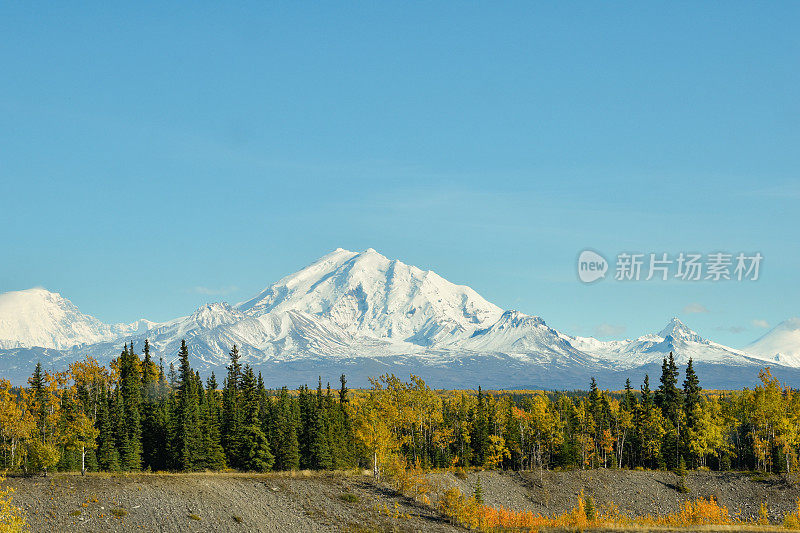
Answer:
(629, 400)
(668, 397)
(647, 397)
(320, 447)
(631, 405)
(151, 436)
(213, 454)
(343, 399)
(594, 396)
(344, 444)
(254, 450)
(691, 393)
(255, 454)
(187, 445)
(478, 492)
(680, 471)
(231, 418)
(161, 435)
(306, 422)
(117, 410)
(37, 386)
(590, 509)
(264, 407)
(287, 449)
(250, 405)
(107, 456)
(130, 391)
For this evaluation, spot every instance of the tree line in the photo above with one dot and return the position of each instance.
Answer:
(136, 415)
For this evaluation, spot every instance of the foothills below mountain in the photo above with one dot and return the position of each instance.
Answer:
(364, 315)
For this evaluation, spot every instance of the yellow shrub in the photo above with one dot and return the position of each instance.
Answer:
(792, 520)
(12, 518)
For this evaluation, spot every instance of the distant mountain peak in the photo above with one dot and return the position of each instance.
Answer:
(679, 332)
(780, 344)
(42, 318)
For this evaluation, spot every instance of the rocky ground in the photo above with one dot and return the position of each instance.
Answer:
(636, 493)
(218, 502)
(352, 502)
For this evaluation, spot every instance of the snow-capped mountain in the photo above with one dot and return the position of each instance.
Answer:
(38, 317)
(676, 337)
(363, 314)
(780, 345)
(366, 294)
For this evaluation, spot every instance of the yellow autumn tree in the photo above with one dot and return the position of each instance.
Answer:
(16, 426)
(77, 429)
(42, 400)
(372, 427)
(495, 452)
(621, 426)
(543, 428)
(708, 436)
(767, 411)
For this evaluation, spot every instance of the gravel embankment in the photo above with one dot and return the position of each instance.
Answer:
(337, 502)
(217, 502)
(636, 493)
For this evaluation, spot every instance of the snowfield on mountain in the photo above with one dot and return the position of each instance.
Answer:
(363, 314)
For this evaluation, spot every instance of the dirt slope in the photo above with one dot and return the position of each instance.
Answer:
(634, 492)
(214, 502)
(337, 502)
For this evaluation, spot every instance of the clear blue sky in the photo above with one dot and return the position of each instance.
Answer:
(151, 154)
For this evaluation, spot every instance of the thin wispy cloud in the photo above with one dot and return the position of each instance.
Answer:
(731, 329)
(211, 291)
(759, 323)
(609, 330)
(694, 308)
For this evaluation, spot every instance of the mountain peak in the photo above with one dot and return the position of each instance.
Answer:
(367, 294)
(677, 330)
(781, 343)
(516, 318)
(41, 318)
(676, 334)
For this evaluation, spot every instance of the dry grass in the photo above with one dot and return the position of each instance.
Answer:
(291, 474)
(697, 515)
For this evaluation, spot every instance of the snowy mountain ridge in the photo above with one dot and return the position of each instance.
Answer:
(362, 309)
(676, 337)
